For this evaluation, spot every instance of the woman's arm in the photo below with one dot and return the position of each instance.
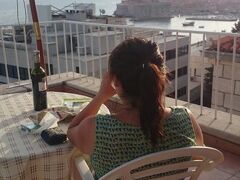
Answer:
(90, 110)
(81, 130)
(197, 129)
(105, 92)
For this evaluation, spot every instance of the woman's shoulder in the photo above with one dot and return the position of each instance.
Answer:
(179, 113)
(113, 121)
(106, 120)
(182, 111)
(179, 110)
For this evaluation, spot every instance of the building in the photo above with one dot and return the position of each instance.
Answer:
(82, 47)
(223, 71)
(64, 51)
(85, 50)
(182, 74)
(144, 9)
(74, 12)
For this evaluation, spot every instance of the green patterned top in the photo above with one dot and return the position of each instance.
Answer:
(118, 142)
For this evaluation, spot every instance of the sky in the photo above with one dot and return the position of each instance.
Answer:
(12, 4)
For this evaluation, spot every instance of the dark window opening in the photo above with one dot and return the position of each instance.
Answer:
(47, 69)
(181, 72)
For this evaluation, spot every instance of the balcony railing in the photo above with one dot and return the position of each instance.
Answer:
(83, 48)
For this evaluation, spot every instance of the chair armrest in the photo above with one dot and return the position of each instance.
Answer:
(83, 169)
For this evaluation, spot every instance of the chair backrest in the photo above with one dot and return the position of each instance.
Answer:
(201, 158)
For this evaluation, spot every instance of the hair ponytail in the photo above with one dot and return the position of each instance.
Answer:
(138, 65)
(151, 104)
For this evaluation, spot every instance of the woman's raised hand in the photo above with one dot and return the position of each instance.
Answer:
(106, 90)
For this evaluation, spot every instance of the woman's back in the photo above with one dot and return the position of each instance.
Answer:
(118, 142)
(137, 74)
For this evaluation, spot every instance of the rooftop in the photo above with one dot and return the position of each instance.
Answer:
(226, 44)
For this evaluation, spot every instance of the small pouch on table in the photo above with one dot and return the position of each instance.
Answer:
(54, 136)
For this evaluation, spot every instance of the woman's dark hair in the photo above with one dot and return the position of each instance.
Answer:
(138, 65)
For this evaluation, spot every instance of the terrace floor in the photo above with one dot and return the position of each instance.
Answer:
(228, 170)
(226, 141)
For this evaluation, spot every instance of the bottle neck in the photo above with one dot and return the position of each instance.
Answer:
(37, 59)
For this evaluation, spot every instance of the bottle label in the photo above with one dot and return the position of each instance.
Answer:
(42, 85)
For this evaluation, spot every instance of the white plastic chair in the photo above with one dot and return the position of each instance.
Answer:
(203, 158)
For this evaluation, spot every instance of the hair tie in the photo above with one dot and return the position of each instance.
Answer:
(144, 65)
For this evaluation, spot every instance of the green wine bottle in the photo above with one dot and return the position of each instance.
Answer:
(39, 85)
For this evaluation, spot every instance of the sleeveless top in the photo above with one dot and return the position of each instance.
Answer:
(118, 142)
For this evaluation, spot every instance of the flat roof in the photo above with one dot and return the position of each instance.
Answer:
(194, 84)
(160, 39)
(104, 33)
(84, 58)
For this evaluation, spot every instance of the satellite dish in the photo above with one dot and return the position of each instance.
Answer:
(102, 11)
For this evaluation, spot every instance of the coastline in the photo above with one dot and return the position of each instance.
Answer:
(212, 18)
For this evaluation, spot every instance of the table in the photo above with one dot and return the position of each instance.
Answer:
(27, 156)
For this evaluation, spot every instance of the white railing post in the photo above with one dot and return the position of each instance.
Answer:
(47, 48)
(202, 74)
(57, 51)
(65, 46)
(85, 49)
(26, 48)
(107, 42)
(216, 79)
(78, 51)
(16, 55)
(164, 47)
(99, 53)
(71, 46)
(115, 37)
(176, 71)
(188, 70)
(124, 34)
(232, 78)
(93, 61)
(5, 57)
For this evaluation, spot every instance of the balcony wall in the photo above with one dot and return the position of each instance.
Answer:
(218, 132)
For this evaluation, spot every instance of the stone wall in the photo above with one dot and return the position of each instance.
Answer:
(225, 87)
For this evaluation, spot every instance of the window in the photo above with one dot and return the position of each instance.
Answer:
(181, 92)
(171, 54)
(77, 69)
(2, 70)
(183, 50)
(181, 72)
(51, 69)
(23, 73)
(12, 72)
(171, 75)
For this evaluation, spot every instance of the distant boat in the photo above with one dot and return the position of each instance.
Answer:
(188, 23)
(200, 26)
(224, 30)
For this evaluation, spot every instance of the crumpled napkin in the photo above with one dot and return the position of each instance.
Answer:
(49, 118)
